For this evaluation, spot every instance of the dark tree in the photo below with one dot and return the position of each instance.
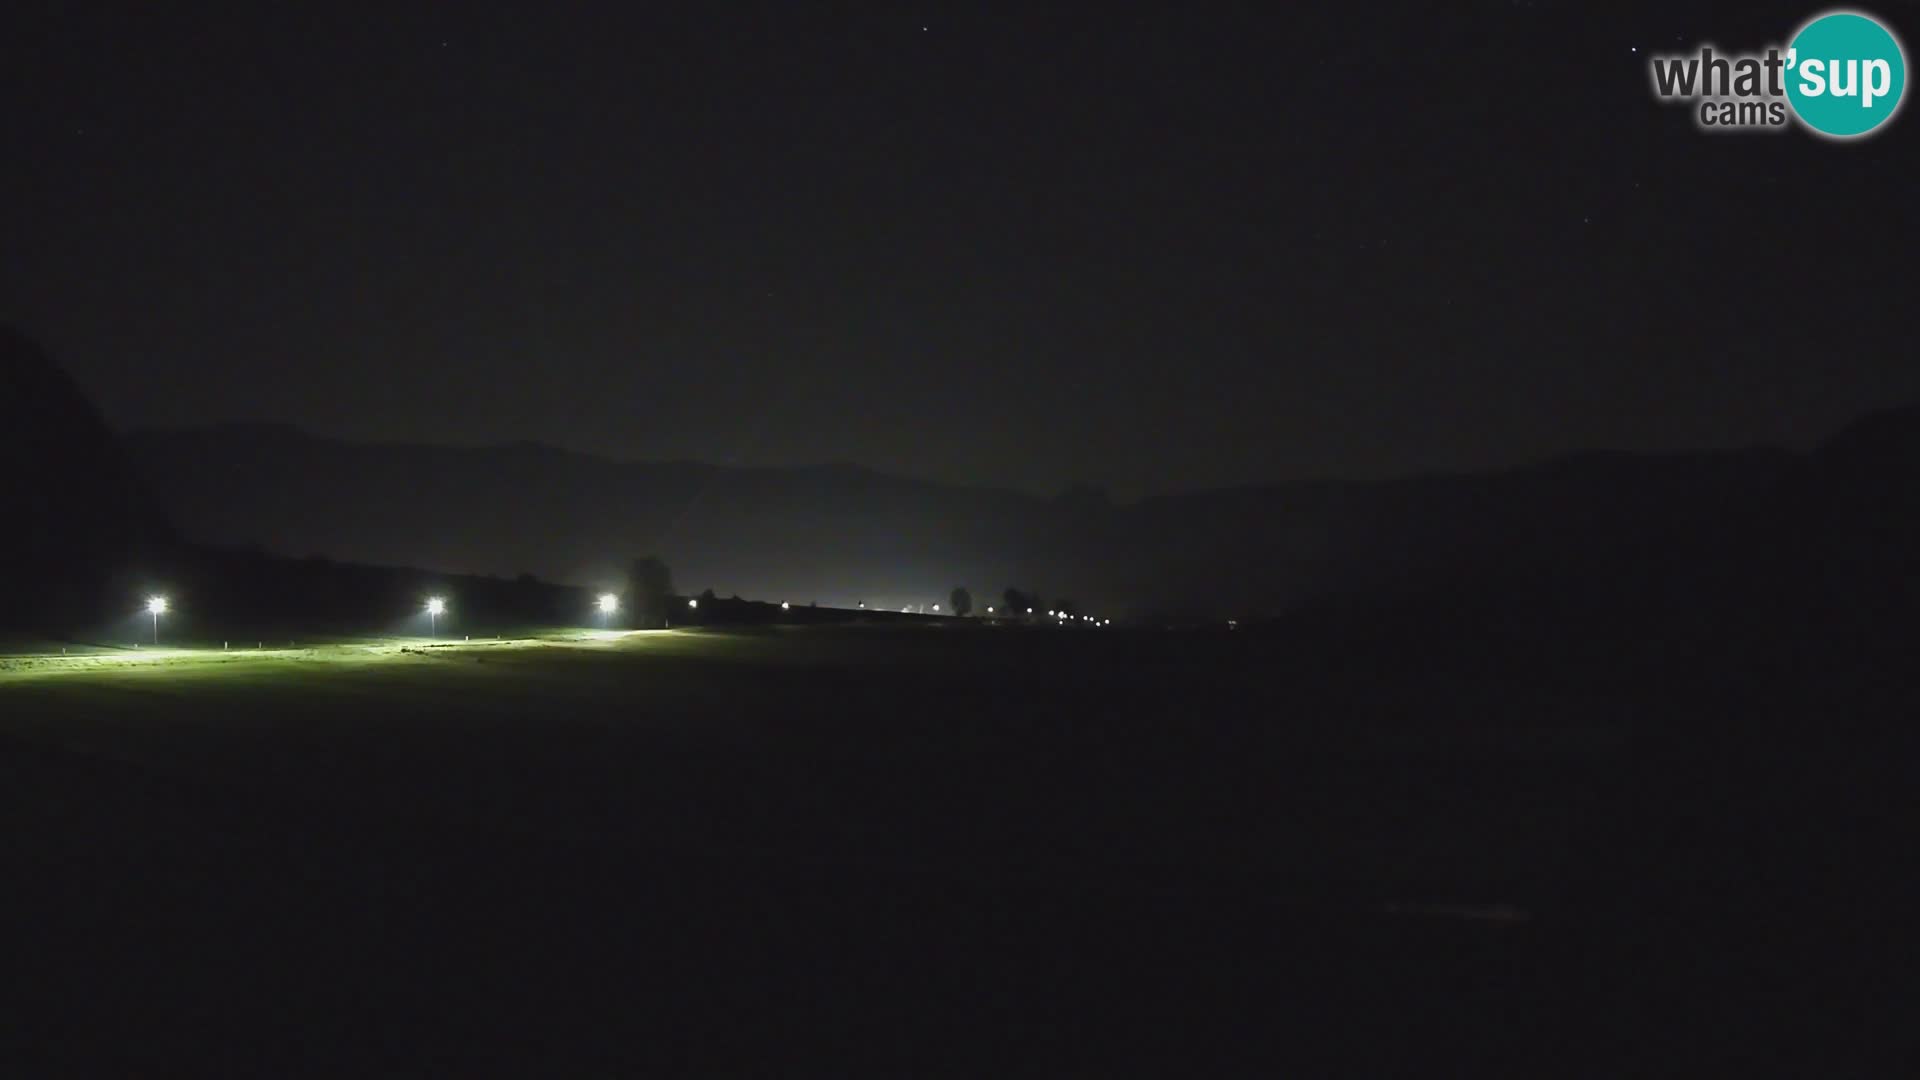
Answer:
(1015, 601)
(650, 587)
(962, 601)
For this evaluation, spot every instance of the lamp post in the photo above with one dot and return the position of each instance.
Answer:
(436, 607)
(156, 606)
(608, 604)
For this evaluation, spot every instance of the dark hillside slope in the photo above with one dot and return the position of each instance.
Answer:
(76, 517)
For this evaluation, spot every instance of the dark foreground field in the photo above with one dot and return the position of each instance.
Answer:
(942, 852)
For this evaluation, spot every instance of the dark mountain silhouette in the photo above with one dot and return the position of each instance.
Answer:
(78, 520)
(85, 541)
(1601, 536)
(836, 534)
(1886, 440)
(1662, 550)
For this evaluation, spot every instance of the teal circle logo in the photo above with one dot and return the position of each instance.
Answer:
(1846, 74)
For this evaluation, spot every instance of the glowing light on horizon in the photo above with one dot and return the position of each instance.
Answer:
(609, 603)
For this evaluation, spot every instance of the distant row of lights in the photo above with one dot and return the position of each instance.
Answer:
(1061, 615)
(606, 604)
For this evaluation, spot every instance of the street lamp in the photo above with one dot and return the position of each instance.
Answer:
(694, 603)
(436, 607)
(156, 606)
(785, 606)
(608, 604)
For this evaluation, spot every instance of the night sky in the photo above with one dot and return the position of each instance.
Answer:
(1041, 245)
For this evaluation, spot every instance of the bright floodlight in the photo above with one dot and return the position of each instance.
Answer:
(436, 606)
(156, 606)
(784, 606)
(1029, 611)
(693, 603)
(936, 607)
(609, 603)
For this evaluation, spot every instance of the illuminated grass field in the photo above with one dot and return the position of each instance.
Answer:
(923, 849)
(278, 660)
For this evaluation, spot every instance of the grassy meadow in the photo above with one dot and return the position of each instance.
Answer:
(928, 850)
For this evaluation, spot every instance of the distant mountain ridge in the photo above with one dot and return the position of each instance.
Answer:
(842, 534)
(832, 533)
(265, 434)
